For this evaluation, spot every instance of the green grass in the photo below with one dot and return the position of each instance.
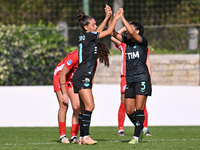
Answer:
(47, 138)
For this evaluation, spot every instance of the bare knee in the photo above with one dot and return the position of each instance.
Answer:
(63, 108)
(76, 110)
(89, 107)
(129, 110)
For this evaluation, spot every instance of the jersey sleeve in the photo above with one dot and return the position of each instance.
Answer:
(71, 60)
(122, 47)
(93, 36)
(124, 39)
(148, 52)
(144, 41)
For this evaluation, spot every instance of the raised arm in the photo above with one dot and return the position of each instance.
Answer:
(116, 41)
(111, 27)
(130, 28)
(103, 24)
(115, 34)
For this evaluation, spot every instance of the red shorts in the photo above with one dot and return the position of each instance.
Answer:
(56, 84)
(123, 84)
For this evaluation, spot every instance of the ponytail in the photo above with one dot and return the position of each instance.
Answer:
(83, 19)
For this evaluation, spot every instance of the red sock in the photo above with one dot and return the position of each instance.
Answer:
(74, 130)
(62, 128)
(121, 116)
(145, 124)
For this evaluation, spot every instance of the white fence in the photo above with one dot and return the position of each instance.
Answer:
(38, 106)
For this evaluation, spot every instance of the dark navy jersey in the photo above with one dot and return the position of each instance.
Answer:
(136, 56)
(87, 55)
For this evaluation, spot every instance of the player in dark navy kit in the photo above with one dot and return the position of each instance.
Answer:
(82, 79)
(137, 76)
(121, 112)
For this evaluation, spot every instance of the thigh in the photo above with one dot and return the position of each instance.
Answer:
(123, 84)
(122, 98)
(59, 97)
(56, 83)
(74, 98)
(140, 102)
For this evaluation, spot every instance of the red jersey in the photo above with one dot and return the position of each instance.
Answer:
(122, 48)
(71, 62)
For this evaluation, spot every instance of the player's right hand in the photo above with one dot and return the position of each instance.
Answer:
(65, 100)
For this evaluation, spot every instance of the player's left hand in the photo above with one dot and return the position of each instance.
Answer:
(108, 11)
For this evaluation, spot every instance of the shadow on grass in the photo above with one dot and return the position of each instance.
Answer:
(104, 140)
(55, 141)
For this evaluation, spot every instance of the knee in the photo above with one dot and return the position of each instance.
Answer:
(129, 110)
(63, 107)
(76, 110)
(90, 107)
(139, 108)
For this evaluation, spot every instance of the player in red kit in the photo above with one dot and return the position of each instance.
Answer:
(63, 88)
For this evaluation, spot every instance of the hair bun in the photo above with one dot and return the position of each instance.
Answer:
(80, 15)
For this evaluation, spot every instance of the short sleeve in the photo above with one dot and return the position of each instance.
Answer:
(93, 35)
(148, 52)
(124, 39)
(118, 47)
(71, 60)
(122, 47)
(144, 41)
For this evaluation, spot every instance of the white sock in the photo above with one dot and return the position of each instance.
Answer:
(135, 137)
(62, 136)
(73, 137)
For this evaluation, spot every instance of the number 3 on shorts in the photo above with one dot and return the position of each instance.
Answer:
(143, 86)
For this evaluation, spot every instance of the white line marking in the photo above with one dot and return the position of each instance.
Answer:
(158, 140)
(10, 144)
(115, 141)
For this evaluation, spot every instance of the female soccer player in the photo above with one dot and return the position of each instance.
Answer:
(137, 75)
(63, 88)
(121, 112)
(84, 74)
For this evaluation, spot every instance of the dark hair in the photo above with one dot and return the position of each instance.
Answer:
(138, 27)
(83, 19)
(102, 54)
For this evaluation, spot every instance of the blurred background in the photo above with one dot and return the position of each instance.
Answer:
(35, 35)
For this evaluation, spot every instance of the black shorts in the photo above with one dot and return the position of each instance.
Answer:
(138, 88)
(83, 83)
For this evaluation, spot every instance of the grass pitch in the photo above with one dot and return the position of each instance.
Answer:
(47, 138)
